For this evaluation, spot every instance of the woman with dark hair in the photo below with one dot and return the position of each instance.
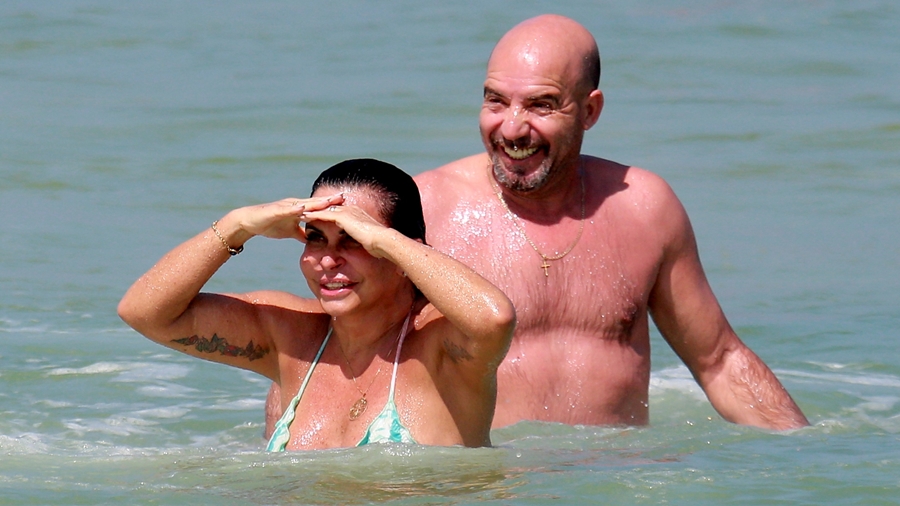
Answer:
(385, 302)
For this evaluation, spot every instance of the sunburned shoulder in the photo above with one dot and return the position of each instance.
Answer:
(632, 184)
(653, 191)
(643, 179)
(647, 201)
(460, 172)
(607, 172)
(445, 188)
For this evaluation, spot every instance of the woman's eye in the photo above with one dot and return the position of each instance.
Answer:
(350, 243)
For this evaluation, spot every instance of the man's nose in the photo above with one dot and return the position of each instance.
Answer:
(515, 124)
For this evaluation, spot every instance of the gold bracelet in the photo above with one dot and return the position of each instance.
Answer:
(231, 251)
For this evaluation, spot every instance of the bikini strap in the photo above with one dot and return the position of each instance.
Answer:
(397, 356)
(282, 434)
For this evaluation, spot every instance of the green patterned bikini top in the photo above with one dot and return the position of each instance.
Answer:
(385, 428)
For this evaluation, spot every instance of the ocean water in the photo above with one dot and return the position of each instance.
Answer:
(127, 127)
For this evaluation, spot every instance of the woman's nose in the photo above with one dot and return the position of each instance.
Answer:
(331, 260)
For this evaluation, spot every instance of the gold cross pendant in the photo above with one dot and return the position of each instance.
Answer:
(546, 266)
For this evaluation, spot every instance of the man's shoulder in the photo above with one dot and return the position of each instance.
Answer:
(611, 170)
(631, 181)
(453, 185)
(637, 197)
(460, 172)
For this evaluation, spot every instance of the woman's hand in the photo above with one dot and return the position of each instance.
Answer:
(354, 221)
(281, 219)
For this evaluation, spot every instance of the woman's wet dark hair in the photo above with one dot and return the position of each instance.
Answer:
(401, 204)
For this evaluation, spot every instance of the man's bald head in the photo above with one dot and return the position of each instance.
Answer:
(556, 39)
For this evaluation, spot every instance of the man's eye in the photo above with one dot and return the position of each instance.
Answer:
(493, 102)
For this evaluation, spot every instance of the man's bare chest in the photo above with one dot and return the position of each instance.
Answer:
(601, 286)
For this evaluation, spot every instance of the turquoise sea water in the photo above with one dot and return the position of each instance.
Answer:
(127, 127)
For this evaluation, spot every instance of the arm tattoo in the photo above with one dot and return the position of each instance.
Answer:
(219, 344)
(456, 352)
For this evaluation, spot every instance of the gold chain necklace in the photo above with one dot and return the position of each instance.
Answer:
(359, 407)
(545, 260)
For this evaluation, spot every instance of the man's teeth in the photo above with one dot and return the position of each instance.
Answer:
(335, 286)
(519, 153)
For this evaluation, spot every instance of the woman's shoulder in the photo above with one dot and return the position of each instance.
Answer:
(277, 299)
(288, 316)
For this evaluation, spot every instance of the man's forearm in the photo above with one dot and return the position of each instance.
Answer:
(747, 392)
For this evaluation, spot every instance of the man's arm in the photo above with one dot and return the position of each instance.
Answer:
(737, 382)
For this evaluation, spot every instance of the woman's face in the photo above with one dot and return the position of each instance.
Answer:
(340, 272)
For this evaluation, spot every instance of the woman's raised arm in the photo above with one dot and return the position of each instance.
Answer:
(481, 314)
(165, 304)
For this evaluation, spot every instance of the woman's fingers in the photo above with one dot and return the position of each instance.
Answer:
(281, 219)
(351, 219)
(319, 203)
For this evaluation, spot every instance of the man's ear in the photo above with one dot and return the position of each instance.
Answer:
(593, 107)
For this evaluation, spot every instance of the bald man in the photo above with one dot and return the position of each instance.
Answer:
(587, 249)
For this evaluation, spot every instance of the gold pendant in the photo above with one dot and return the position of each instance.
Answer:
(358, 408)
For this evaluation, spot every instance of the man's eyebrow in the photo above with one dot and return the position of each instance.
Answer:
(491, 91)
(553, 97)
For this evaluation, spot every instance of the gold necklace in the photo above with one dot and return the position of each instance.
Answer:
(545, 260)
(359, 407)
